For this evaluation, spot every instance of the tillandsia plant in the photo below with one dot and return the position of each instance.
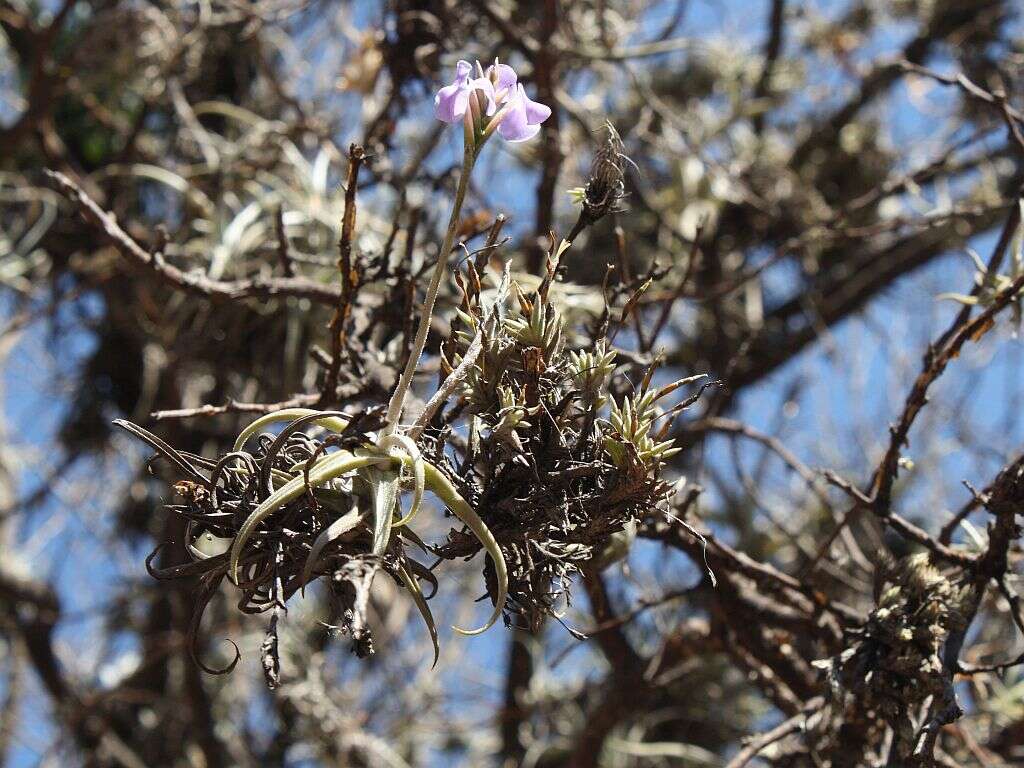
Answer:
(894, 663)
(186, 266)
(548, 433)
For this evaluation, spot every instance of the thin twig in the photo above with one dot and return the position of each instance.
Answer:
(448, 386)
(936, 359)
(351, 274)
(786, 728)
(224, 290)
(283, 254)
(234, 406)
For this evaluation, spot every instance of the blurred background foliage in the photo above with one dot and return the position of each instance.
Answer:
(808, 177)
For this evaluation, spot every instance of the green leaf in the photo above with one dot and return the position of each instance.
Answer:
(421, 603)
(384, 492)
(445, 491)
(958, 297)
(338, 528)
(388, 443)
(333, 423)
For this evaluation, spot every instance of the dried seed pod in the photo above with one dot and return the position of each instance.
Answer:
(607, 183)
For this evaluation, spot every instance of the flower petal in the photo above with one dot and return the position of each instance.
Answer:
(524, 117)
(536, 113)
(526, 133)
(514, 126)
(503, 76)
(450, 103)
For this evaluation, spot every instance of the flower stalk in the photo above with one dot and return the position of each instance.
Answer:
(397, 402)
(492, 102)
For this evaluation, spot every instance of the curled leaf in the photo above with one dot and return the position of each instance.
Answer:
(183, 570)
(169, 453)
(207, 589)
(420, 571)
(296, 424)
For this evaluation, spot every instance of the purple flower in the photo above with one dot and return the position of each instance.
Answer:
(524, 116)
(499, 96)
(452, 101)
